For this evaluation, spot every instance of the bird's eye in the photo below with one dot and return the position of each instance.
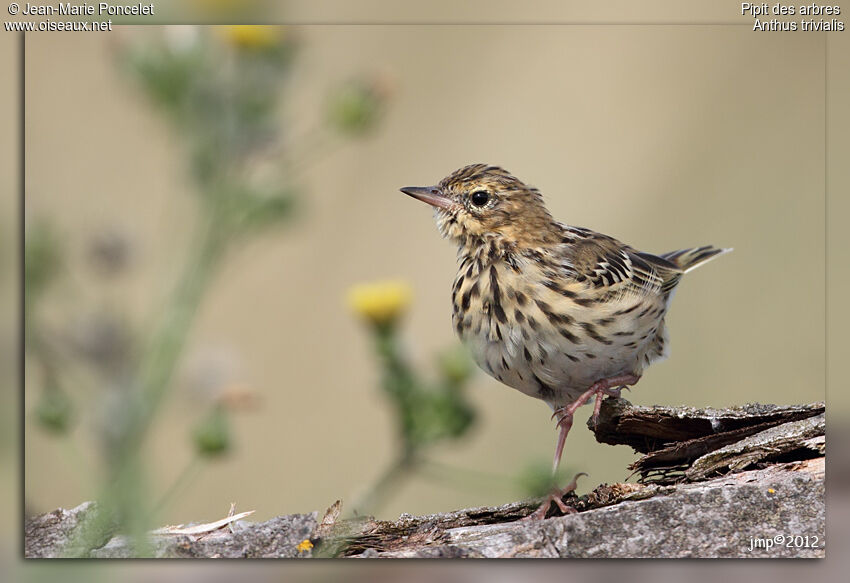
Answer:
(480, 197)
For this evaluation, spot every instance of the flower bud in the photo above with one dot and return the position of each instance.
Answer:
(253, 37)
(54, 411)
(380, 303)
(212, 434)
(354, 108)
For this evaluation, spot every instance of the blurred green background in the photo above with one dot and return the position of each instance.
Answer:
(663, 137)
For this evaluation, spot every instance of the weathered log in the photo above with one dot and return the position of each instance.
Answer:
(754, 487)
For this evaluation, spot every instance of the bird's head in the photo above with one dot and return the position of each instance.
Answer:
(481, 202)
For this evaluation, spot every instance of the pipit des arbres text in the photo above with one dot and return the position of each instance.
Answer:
(560, 313)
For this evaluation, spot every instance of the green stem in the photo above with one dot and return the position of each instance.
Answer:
(122, 503)
(312, 146)
(462, 477)
(399, 382)
(189, 472)
(167, 343)
(377, 495)
(75, 459)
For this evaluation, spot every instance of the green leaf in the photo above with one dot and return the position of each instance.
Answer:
(536, 479)
(54, 411)
(167, 76)
(42, 258)
(212, 435)
(355, 107)
(455, 365)
(257, 213)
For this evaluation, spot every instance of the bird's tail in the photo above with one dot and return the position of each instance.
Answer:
(689, 259)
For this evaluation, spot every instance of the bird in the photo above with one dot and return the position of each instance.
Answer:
(560, 313)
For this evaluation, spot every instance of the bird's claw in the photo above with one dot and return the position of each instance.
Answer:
(556, 496)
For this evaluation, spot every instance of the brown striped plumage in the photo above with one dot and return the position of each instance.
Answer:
(549, 309)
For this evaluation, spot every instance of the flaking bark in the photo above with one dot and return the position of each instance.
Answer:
(672, 438)
(712, 508)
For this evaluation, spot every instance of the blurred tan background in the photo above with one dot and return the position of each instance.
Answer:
(662, 136)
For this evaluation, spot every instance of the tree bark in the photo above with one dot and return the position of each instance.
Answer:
(741, 482)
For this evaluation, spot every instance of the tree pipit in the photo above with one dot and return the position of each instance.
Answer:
(560, 313)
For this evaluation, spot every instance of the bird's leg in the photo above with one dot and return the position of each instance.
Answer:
(599, 389)
(604, 387)
(565, 422)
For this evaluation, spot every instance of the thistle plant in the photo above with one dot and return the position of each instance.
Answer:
(426, 411)
(219, 89)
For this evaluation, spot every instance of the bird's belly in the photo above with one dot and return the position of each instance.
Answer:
(545, 371)
(549, 345)
(542, 363)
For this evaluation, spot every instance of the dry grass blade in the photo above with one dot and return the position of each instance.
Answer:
(203, 528)
(329, 519)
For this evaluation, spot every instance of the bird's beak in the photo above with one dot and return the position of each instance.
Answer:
(429, 194)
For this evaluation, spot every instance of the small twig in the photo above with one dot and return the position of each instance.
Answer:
(314, 145)
(376, 496)
(188, 473)
(231, 512)
(457, 475)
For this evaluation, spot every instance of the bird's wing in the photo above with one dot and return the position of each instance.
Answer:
(612, 267)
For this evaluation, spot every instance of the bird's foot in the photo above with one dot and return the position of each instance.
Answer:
(556, 497)
(611, 387)
(607, 388)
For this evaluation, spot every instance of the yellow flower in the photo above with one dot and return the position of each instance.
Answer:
(252, 37)
(304, 546)
(380, 302)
